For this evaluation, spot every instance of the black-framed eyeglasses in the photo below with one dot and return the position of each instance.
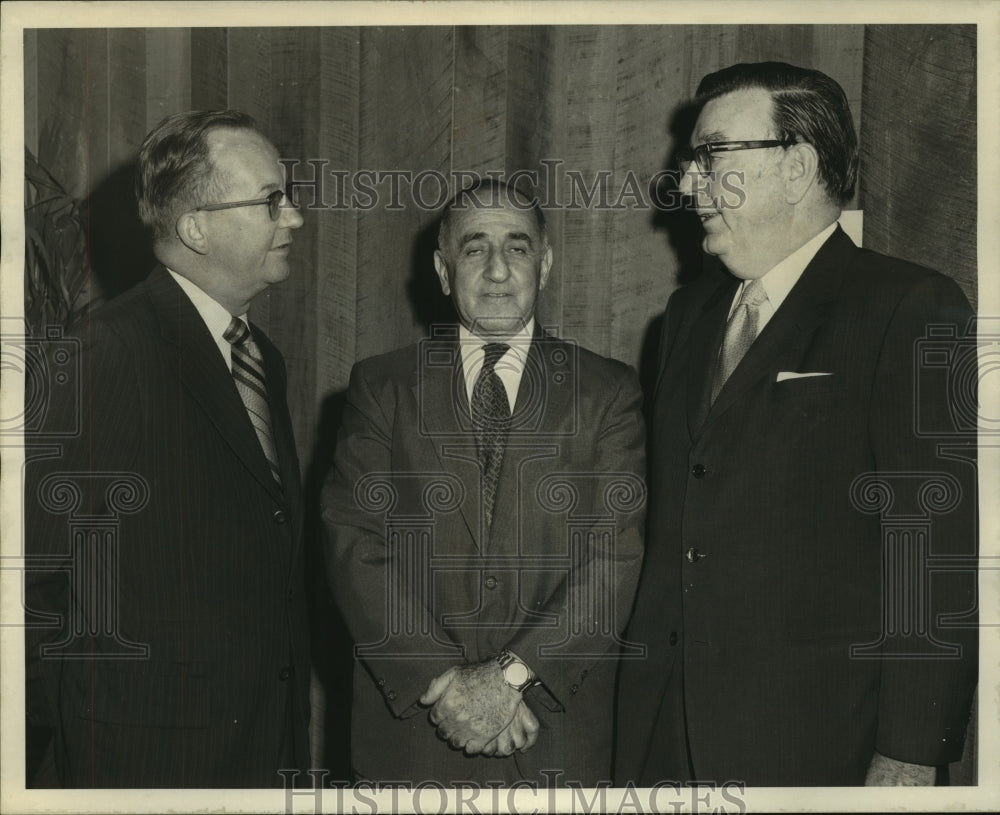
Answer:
(702, 154)
(273, 202)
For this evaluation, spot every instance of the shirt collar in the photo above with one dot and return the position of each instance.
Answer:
(472, 348)
(780, 279)
(215, 315)
(509, 367)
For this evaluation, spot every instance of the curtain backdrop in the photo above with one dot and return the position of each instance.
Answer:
(595, 110)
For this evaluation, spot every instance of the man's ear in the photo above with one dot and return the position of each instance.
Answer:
(801, 167)
(546, 266)
(441, 267)
(189, 230)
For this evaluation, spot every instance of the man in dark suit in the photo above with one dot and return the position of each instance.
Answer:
(167, 642)
(799, 484)
(484, 516)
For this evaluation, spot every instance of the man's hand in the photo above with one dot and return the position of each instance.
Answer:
(888, 772)
(472, 705)
(521, 734)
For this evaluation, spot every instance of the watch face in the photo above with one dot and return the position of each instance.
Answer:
(516, 673)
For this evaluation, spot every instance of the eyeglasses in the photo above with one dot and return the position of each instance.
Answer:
(273, 202)
(702, 154)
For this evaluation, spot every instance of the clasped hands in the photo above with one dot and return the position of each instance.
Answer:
(475, 710)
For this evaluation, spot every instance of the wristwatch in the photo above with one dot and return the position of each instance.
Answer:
(515, 672)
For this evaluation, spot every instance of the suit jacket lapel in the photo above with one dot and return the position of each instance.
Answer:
(443, 403)
(281, 421)
(288, 459)
(445, 421)
(545, 397)
(201, 369)
(705, 339)
(799, 315)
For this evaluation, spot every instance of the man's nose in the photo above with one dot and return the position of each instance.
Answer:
(696, 185)
(290, 216)
(496, 267)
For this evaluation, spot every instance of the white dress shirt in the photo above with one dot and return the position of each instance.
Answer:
(509, 367)
(780, 278)
(216, 317)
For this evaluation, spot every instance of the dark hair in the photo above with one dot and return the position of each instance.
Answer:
(174, 172)
(808, 106)
(498, 190)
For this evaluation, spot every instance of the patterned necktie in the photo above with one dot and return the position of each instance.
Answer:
(741, 331)
(248, 373)
(491, 420)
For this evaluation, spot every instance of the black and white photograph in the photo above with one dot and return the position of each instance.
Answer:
(499, 407)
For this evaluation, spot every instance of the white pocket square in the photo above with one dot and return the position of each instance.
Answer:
(783, 375)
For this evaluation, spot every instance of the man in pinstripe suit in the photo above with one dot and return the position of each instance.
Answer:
(167, 635)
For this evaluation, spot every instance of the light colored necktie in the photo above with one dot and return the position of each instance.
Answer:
(491, 421)
(741, 331)
(248, 373)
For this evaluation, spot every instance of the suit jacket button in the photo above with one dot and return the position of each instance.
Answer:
(279, 516)
(391, 695)
(693, 554)
(672, 639)
(574, 688)
(381, 683)
(698, 471)
(284, 673)
(491, 582)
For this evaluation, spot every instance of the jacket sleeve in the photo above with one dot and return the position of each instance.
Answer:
(359, 554)
(922, 424)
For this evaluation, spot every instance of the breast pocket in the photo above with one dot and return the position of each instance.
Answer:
(808, 409)
(801, 386)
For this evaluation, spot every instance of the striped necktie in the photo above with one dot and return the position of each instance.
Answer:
(248, 373)
(491, 421)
